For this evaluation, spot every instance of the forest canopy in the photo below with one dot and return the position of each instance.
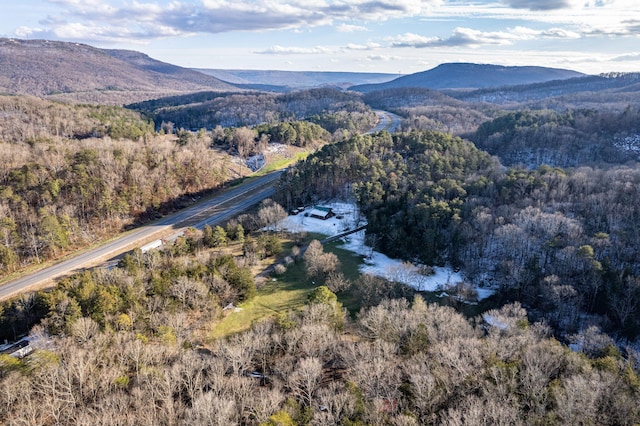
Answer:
(563, 242)
(330, 108)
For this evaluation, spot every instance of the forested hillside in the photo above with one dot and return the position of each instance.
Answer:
(569, 139)
(425, 109)
(329, 108)
(410, 187)
(400, 362)
(603, 92)
(31, 120)
(72, 174)
(564, 242)
(79, 72)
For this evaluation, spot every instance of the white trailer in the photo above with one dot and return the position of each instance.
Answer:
(150, 246)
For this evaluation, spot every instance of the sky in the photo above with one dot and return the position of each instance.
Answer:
(387, 36)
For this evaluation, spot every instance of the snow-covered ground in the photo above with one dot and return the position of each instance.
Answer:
(348, 217)
(628, 144)
(495, 321)
(257, 161)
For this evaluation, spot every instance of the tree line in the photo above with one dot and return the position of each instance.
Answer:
(330, 108)
(246, 141)
(33, 120)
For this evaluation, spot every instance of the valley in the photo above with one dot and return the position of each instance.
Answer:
(497, 280)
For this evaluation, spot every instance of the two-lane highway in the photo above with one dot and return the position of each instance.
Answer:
(387, 121)
(209, 212)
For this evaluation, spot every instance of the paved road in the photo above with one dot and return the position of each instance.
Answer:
(388, 121)
(210, 212)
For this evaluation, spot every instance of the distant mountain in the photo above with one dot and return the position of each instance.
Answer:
(42, 68)
(610, 88)
(281, 80)
(471, 76)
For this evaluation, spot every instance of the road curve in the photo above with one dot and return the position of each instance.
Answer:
(387, 121)
(209, 212)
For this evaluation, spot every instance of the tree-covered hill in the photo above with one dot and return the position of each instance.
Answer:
(563, 242)
(70, 175)
(30, 120)
(569, 139)
(411, 187)
(329, 108)
(46, 68)
(593, 91)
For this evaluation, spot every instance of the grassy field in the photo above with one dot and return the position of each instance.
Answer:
(281, 163)
(288, 292)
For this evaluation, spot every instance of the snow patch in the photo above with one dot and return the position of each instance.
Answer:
(348, 217)
(629, 144)
(495, 322)
(255, 162)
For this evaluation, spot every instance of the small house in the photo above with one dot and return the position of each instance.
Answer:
(320, 212)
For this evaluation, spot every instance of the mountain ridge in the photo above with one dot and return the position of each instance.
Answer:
(464, 75)
(297, 79)
(44, 68)
(610, 82)
(76, 72)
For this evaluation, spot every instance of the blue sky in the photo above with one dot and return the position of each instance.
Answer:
(393, 36)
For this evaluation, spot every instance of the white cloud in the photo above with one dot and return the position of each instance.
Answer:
(368, 46)
(468, 37)
(524, 33)
(281, 50)
(151, 19)
(539, 4)
(345, 28)
(382, 58)
(217, 16)
(586, 17)
(548, 5)
(26, 32)
(413, 40)
(633, 56)
(560, 33)
(460, 37)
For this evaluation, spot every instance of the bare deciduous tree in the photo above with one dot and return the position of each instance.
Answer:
(304, 380)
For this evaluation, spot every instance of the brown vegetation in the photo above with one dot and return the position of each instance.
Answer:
(398, 363)
(72, 174)
(43, 68)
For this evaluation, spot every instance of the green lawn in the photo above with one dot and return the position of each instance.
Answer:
(281, 163)
(350, 264)
(288, 292)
